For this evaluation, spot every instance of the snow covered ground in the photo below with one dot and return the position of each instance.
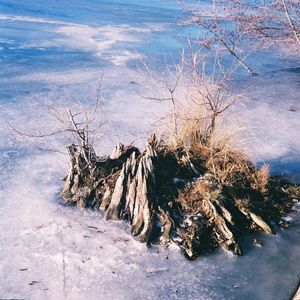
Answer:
(47, 251)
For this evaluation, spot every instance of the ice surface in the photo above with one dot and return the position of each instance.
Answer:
(56, 252)
(48, 251)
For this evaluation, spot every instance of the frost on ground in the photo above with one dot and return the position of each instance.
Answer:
(56, 252)
(48, 251)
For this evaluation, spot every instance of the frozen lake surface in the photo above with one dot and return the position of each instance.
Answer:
(52, 49)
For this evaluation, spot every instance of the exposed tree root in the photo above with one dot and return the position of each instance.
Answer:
(187, 197)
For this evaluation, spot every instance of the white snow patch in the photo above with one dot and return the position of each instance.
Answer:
(15, 18)
(101, 40)
(125, 56)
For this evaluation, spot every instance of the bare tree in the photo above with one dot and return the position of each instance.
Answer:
(218, 30)
(269, 22)
(251, 25)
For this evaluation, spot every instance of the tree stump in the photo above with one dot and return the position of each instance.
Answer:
(167, 198)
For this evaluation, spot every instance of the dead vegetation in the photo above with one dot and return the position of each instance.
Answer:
(240, 27)
(185, 196)
(189, 186)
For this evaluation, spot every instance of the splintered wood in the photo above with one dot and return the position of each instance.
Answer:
(168, 198)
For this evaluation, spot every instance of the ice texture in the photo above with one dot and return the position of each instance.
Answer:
(48, 251)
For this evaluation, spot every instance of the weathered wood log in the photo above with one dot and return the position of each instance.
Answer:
(134, 196)
(87, 183)
(82, 168)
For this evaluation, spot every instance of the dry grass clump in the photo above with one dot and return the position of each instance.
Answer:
(214, 152)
